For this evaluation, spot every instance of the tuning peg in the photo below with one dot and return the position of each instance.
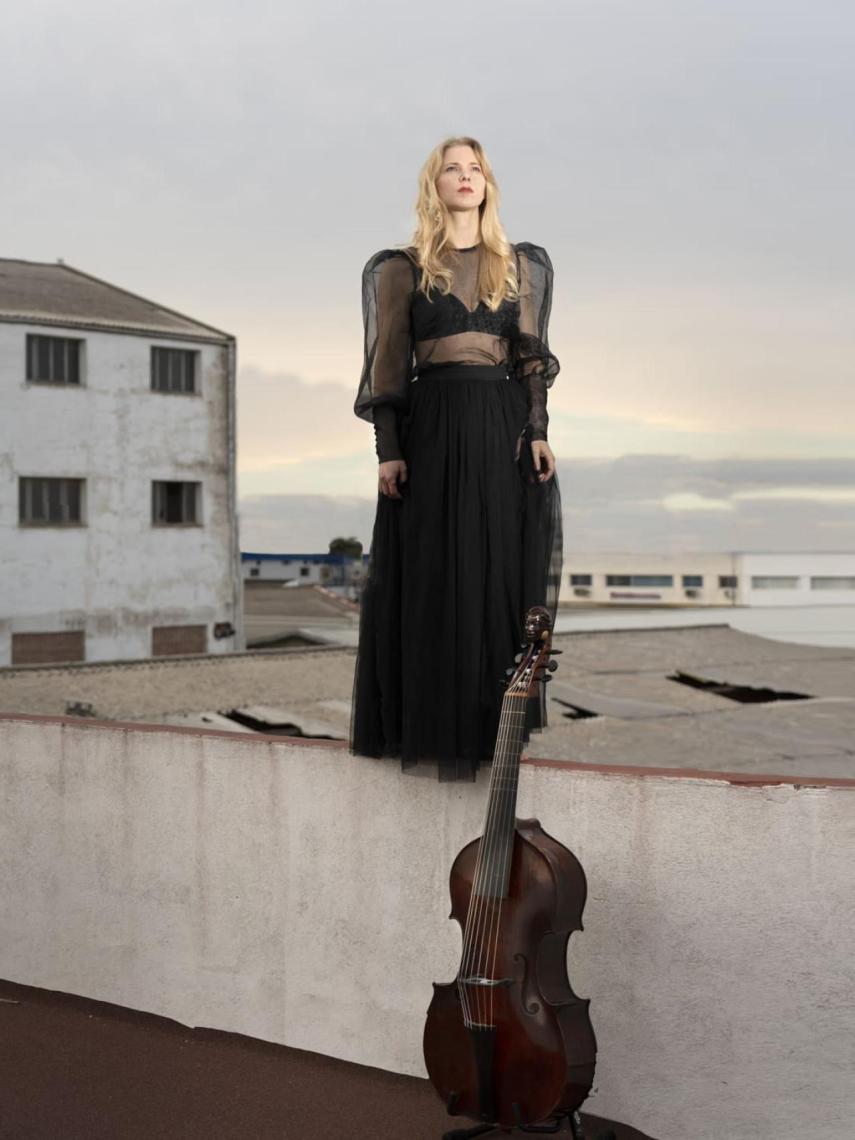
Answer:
(552, 666)
(518, 658)
(545, 679)
(554, 651)
(509, 672)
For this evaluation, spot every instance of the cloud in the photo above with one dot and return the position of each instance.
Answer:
(697, 212)
(643, 503)
(691, 501)
(830, 495)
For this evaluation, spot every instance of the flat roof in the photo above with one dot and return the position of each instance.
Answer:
(83, 1067)
(613, 701)
(251, 556)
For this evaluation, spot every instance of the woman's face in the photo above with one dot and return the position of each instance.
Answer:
(461, 184)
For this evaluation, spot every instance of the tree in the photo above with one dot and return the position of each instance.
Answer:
(350, 547)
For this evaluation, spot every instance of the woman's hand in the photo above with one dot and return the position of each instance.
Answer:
(544, 460)
(391, 473)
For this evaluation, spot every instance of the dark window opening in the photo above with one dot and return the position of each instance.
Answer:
(49, 501)
(639, 579)
(54, 359)
(174, 502)
(173, 369)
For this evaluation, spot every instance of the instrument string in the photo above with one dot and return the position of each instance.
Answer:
(479, 905)
(507, 834)
(495, 854)
(489, 903)
(533, 1062)
(474, 924)
(491, 929)
(485, 903)
(484, 900)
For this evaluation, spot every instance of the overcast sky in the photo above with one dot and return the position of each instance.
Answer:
(690, 166)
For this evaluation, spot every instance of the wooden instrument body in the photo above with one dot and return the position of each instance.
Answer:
(538, 1054)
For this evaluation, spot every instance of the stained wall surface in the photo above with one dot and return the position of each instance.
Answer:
(116, 577)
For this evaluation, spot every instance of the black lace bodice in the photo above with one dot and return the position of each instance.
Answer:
(407, 333)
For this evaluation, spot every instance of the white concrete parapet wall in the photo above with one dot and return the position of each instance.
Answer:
(300, 895)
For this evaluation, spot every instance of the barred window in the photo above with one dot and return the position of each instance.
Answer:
(174, 502)
(49, 501)
(693, 579)
(53, 358)
(727, 581)
(581, 579)
(173, 369)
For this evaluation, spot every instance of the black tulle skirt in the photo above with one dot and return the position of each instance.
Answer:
(454, 565)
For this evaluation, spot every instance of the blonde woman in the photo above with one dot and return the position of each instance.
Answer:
(467, 533)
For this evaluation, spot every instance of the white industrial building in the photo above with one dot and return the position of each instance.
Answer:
(737, 578)
(118, 522)
(339, 572)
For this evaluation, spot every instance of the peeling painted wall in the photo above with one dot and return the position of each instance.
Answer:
(118, 575)
(300, 895)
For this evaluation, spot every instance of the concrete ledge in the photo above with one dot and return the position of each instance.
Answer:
(289, 891)
(747, 779)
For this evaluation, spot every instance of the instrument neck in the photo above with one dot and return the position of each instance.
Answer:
(497, 843)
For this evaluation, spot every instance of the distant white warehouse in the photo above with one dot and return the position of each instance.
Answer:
(340, 573)
(737, 578)
(118, 523)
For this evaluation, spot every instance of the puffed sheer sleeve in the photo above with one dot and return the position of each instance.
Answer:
(388, 282)
(533, 365)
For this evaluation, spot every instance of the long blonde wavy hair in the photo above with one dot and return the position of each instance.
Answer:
(498, 277)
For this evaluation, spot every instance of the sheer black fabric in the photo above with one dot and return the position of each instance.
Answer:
(475, 539)
(406, 333)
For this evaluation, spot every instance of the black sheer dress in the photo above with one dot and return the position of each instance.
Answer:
(457, 391)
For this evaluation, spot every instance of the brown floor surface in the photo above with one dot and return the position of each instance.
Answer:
(76, 1069)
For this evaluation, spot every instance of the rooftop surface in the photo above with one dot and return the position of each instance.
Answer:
(769, 708)
(84, 1068)
(54, 293)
